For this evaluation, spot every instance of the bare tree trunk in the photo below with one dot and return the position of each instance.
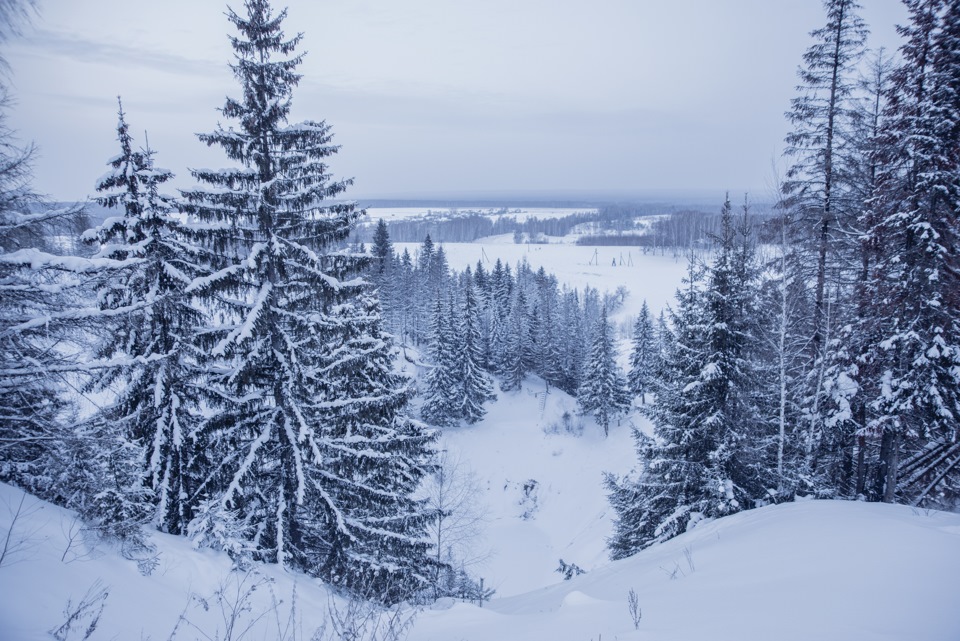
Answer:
(861, 466)
(826, 219)
(889, 462)
(782, 355)
(818, 389)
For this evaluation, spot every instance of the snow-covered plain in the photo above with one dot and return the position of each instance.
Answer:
(811, 570)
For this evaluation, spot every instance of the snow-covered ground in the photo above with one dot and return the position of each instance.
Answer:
(541, 485)
(819, 570)
(824, 570)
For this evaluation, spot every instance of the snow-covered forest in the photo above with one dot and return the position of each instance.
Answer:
(390, 439)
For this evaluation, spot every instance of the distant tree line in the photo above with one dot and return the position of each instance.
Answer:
(678, 233)
(465, 227)
(666, 228)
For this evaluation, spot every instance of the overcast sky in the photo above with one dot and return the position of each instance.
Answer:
(441, 97)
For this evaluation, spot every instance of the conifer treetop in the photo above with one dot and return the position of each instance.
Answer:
(283, 186)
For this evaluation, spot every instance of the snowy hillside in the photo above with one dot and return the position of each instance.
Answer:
(801, 571)
(810, 570)
(541, 484)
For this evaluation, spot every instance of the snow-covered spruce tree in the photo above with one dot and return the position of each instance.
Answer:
(642, 354)
(733, 374)
(517, 358)
(402, 301)
(382, 247)
(387, 274)
(148, 328)
(706, 458)
(485, 308)
(572, 347)
(916, 280)
(849, 380)
(474, 387)
(430, 280)
(499, 315)
(818, 193)
(659, 502)
(545, 327)
(442, 403)
(604, 389)
(591, 310)
(382, 272)
(317, 462)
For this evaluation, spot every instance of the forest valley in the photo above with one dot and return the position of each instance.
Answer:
(221, 364)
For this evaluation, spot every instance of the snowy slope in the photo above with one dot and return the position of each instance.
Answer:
(51, 561)
(563, 512)
(805, 571)
(813, 570)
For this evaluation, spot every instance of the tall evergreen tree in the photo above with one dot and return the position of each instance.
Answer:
(474, 386)
(382, 247)
(545, 327)
(149, 331)
(517, 356)
(317, 462)
(572, 351)
(405, 302)
(916, 279)
(442, 404)
(820, 198)
(670, 488)
(604, 389)
(382, 270)
(424, 294)
(706, 458)
(642, 354)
